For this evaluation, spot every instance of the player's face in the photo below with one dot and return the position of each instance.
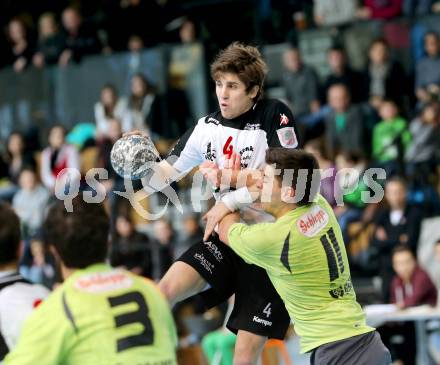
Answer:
(270, 189)
(232, 96)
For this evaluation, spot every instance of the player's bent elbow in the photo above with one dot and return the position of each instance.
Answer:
(223, 234)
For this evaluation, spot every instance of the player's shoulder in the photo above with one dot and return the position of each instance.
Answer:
(274, 113)
(314, 217)
(271, 105)
(23, 292)
(212, 119)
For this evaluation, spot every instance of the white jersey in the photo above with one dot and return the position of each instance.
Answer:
(18, 298)
(268, 124)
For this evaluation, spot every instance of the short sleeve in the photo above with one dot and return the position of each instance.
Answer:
(281, 127)
(187, 151)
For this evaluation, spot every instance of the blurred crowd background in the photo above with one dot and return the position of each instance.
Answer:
(362, 79)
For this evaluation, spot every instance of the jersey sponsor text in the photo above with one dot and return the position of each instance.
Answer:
(313, 221)
(103, 282)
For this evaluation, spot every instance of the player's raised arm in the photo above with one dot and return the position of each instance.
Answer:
(182, 158)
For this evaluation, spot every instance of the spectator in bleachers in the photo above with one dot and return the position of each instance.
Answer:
(114, 181)
(398, 223)
(57, 156)
(428, 70)
(187, 32)
(30, 202)
(377, 9)
(341, 73)
(416, 7)
(13, 289)
(162, 247)
(301, 84)
(22, 46)
(40, 268)
(423, 154)
(111, 106)
(411, 286)
(344, 125)
(130, 249)
(143, 104)
(386, 78)
(351, 184)
(334, 13)
(434, 326)
(391, 139)
(135, 47)
(81, 39)
(327, 188)
(51, 41)
(15, 159)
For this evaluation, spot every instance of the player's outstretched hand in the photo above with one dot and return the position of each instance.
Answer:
(213, 217)
(211, 172)
(234, 162)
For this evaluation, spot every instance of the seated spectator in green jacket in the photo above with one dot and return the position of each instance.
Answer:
(391, 139)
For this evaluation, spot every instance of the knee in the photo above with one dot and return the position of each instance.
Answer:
(168, 289)
(245, 355)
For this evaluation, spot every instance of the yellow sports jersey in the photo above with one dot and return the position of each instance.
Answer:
(99, 316)
(304, 255)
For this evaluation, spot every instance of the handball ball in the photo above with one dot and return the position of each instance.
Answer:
(132, 156)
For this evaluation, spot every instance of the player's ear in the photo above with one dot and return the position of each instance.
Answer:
(254, 91)
(288, 194)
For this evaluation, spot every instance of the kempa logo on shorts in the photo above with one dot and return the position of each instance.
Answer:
(212, 247)
(264, 322)
(205, 263)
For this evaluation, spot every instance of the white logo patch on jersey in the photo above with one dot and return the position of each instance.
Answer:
(287, 137)
(103, 282)
(313, 221)
(252, 127)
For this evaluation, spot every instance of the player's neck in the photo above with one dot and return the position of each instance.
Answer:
(66, 271)
(283, 209)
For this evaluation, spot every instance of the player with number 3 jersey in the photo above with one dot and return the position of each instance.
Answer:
(99, 315)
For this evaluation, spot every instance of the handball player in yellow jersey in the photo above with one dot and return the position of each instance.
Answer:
(304, 255)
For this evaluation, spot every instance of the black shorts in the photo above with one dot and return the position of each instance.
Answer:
(258, 308)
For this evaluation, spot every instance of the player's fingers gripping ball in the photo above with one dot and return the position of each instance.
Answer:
(132, 156)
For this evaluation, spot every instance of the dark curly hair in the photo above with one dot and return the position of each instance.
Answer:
(244, 61)
(79, 237)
